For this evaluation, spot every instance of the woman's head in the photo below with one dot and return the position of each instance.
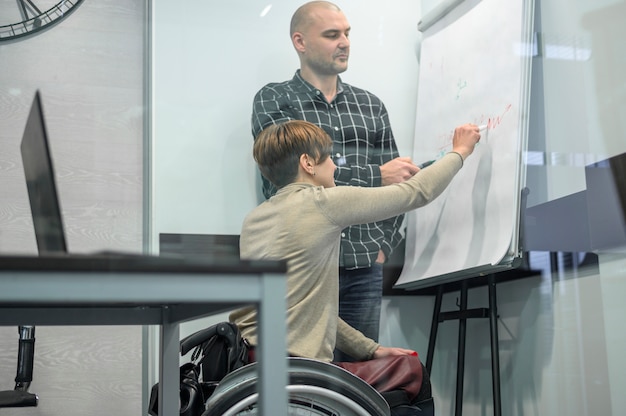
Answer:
(279, 148)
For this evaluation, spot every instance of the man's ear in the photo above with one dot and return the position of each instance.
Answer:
(298, 42)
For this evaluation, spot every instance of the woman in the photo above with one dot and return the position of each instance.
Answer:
(302, 224)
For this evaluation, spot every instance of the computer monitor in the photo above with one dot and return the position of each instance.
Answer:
(606, 203)
(40, 181)
(207, 246)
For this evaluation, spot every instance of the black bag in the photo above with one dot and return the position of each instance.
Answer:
(400, 405)
(219, 350)
(422, 405)
(193, 393)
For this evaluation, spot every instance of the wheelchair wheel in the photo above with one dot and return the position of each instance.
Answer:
(315, 388)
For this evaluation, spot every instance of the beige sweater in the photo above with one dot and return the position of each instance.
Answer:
(302, 224)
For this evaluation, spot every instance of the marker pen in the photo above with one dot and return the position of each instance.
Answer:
(484, 132)
(426, 164)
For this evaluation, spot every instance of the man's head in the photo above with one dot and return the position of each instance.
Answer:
(280, 149)
(319, 32)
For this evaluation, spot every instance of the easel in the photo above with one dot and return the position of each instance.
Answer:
(463, 314)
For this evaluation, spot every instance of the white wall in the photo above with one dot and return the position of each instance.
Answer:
(90, 71)
(209, 61)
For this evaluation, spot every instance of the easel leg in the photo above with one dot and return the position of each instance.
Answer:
(495, 350)
(434, 326)
(461, 351)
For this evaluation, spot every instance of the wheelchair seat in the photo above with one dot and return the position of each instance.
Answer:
(314, 388)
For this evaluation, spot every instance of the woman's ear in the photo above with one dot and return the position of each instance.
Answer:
(307, 164)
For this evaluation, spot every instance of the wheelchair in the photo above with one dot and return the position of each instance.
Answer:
(218, 383)
(314, 388)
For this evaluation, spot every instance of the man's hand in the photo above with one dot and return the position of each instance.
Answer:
(397, 170)
(387, 351)
(381, 257)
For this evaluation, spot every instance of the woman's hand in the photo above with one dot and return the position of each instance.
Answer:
(387, 351)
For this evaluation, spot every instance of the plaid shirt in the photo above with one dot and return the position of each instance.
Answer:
(358, 123)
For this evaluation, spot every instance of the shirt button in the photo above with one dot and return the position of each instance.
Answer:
(336, 128)
(343, 234)
(338, 155)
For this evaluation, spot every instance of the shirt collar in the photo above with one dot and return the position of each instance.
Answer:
(307, 87)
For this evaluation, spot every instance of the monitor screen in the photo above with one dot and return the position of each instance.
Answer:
(606, 202)
(40, 181)
(207, 246)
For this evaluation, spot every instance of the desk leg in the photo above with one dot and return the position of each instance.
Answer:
(272, 347)
(169, 378)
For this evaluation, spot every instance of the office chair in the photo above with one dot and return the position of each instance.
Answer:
(20, 396)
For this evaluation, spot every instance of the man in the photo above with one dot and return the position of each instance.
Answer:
(302, 224)
(364, 149)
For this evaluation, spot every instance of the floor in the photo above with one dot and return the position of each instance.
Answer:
(87, 371)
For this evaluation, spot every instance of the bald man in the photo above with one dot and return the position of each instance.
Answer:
(364, 150)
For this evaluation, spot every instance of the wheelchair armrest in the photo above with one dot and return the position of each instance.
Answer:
(195, 339)
(224, 329)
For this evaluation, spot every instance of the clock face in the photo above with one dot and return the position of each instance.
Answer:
(20, 18)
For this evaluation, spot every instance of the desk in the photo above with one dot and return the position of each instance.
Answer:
(149, 290)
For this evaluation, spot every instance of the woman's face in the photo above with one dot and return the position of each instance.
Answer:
(325, 173)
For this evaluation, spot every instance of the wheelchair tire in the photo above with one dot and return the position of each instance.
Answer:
(315, 387)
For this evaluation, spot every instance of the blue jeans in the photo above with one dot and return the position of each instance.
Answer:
(360, 298)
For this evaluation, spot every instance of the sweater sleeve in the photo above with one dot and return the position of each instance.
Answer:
(376, 204)
(354, 343)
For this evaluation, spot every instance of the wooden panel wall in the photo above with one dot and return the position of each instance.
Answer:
(90, 71)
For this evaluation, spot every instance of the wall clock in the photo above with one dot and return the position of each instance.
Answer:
(25, 17)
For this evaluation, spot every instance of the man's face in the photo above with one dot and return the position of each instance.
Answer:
(325, 42)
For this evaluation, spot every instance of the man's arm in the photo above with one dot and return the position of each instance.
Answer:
(393, 236)
(269, 107)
